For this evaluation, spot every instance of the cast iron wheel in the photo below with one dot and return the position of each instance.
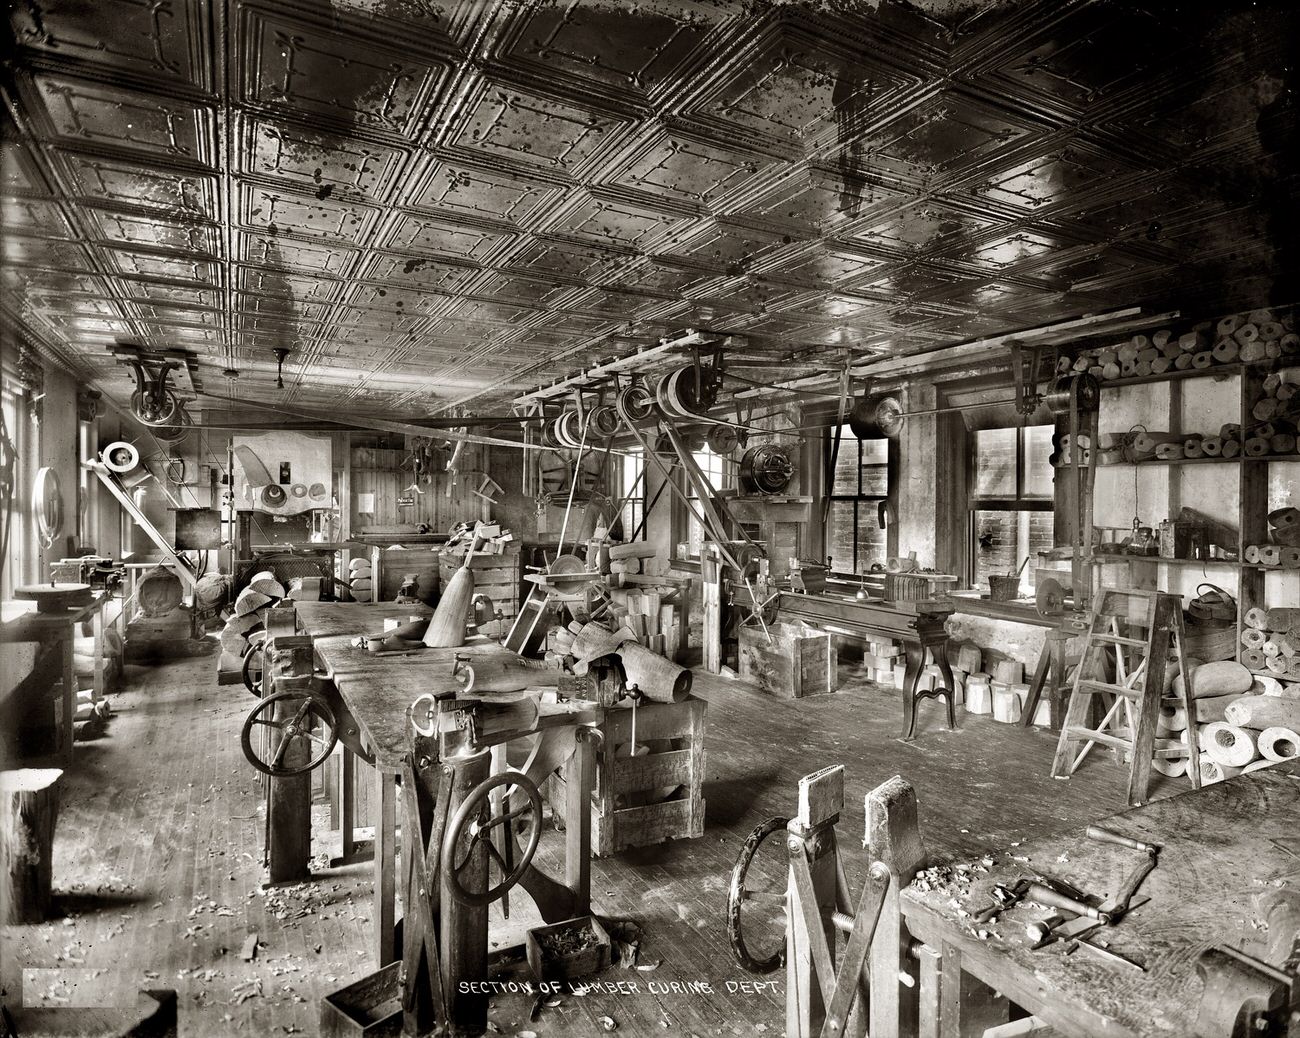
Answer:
(311, 721)
(475, 818)
(246, 670)
(738, 895)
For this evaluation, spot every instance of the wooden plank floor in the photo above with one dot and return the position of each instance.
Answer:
(158, 859)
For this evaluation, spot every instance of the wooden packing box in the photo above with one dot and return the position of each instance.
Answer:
(389, 565)
(569, 965)
(797, 662)
(655, 796)
(497, 576)
(369, 1007)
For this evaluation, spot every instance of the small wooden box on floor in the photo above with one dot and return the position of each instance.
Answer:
(796, 662)
(655, 796)
(496, 576)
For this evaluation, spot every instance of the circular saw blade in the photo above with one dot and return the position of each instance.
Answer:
(1049, 598)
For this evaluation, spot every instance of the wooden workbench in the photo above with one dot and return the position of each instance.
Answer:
(377, 692)
(919, 626)
(1229, 865)
(20, 622)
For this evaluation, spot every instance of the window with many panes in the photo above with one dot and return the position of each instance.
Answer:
(718, 471)
(1010, 501)
(858, 486)
(632, 494)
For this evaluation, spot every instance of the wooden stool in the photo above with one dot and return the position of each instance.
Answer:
(30, 805)
(1049, 675)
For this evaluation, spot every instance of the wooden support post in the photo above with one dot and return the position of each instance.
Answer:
(821, 798)
(29, 800)
(97, 625)
(711, 599)
(290, 804)
(893, 837)
(463, 928)
(68, 701)
(385, 866)
(579, 777)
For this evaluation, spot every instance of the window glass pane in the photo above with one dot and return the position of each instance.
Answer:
(875, 467)
(995, 463)
(1002, 540)
(1038, 470)
(845, 480)
(839, 536)
(871, 538)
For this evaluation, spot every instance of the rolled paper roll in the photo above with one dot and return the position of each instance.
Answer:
(1169, 451)
(1127, 368)
(1285, 392)
(1269, 554)
(1266, 430)
(1148, 354)
(1282, 518)
(1290, 343)
(1276, 664)
(1107, 356)
(1279, 744)
(1231, 431)
(1064, 365)
(1253, 637)
(1271, 330)
(1172, 768)
(1258, 316)
(1264, 409)
(1257, 618)
(1212, 772)
(1282, 443)
(1231, 448)
(1254, 351)
(1290, 557)
(1271, 648)
(1161, 364)
(1142, 368)
(1111, 370)
(1228, 745)
(657, 678)
(1226, 350)
(1183, 361)
(1261, 712)
(1246, 333)
(1192, 447)
(1252, 659)
(1212, 446)
(1257, 447)
(1228, 325)
(1145, 441)
(1192, 341)
(1202, 360)
(1265, 686)
(1127, 352)
(1140, 342)
(1161, 338)
(1258, 765)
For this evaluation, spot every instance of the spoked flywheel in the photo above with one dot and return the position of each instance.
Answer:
(760, 907)
(306, 722)
(475, 821)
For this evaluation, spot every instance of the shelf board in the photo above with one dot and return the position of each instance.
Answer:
(1170, 461)
(1274, 569)
(1270, 457)
(1160, 560)
(1174, 374)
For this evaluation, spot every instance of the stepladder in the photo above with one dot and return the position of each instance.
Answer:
(1134, 638)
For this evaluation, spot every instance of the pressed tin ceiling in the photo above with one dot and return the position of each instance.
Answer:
(432, 203)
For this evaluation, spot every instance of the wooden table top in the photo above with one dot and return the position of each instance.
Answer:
(1226, 850)
(20, 622)
(378, 690)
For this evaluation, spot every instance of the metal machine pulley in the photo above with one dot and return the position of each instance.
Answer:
(766, 469)
(722, 439)
(47, 505)
(877, 416)
(635, 402)
(688, 391)
(1079, 390)
(120, 457)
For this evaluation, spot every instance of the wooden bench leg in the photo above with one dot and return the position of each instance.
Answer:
(385, 877)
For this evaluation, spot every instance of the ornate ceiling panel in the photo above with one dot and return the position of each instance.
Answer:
(432, 202)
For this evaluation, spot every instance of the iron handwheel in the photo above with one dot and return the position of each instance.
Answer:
(474, 818)
(738, 895)
(254, 685)
(311, 721)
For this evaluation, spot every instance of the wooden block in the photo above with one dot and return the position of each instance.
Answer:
(821, 796)
(29, 801)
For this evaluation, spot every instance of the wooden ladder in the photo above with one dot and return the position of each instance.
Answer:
(1139, 680)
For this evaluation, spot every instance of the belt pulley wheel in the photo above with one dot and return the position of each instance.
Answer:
(635, 402)
(878, 416)
(604, 420)
(309, 723)
(722, 439)
(1078, 389)
(549, 437)
(165, 411)
(739, 895)
(120, 457)
(680, 396)
(568, 430)
(474, 823)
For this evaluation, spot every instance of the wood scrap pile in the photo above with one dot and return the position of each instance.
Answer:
(1247, 338)
(1243, 722)
(244, 617)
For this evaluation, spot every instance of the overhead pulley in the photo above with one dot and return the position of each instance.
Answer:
(688, 391)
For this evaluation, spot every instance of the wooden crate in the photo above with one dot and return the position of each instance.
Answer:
(797, 662)
(389, 565)
(497, 576)
(652, 797)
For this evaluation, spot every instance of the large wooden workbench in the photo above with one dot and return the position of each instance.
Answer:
(919, 626)
(377, 692)
(1228, 873)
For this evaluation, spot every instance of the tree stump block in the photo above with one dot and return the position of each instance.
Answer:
(29, 802)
